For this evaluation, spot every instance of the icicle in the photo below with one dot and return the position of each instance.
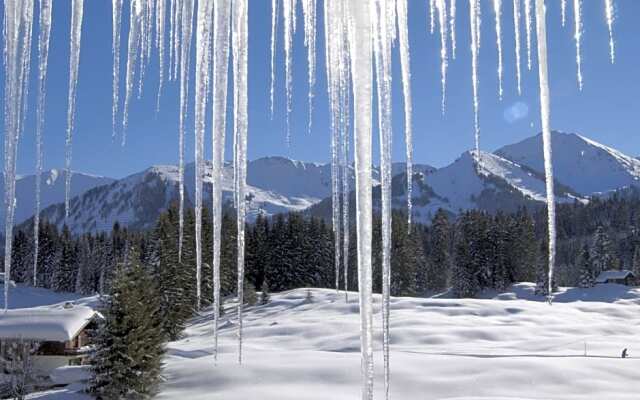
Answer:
(516, 26)
(221, 26)
(405, 63)
(608, 8)
(382, 47)
(135, 22)
(17, 34)
(309, 10)
(497, 8)
(172, 38)
(441, 7)
(545, 115)
(529, 27)
(116, 7)
(43, 59)
(160, 33)
(563, 7)
(452, 20)
(274, 30)
(360, 51)
(74, 61)
(345, 209)
(474, 6)
(240, 125)
(289, 12)
(185, 49)
(577, 11)
(203, 40)
(432, 16)
(335, 201)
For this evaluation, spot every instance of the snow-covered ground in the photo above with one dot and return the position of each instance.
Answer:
(512, 346)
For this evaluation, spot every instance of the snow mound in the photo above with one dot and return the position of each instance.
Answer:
(440, 348)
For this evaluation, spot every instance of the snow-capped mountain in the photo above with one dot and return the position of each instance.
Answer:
(505, 180)
(487, 182)
(52, 190)
(275, 185)
(588, 167)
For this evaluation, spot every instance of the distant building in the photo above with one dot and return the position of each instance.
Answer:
(60, 334)
(11, 283)
(622, 277)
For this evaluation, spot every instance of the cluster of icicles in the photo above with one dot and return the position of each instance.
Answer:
(352, 67)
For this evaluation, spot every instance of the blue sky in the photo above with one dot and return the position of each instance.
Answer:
(606, 110)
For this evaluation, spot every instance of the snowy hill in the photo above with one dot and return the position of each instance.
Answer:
(275, 185)
(493, 183)
(581, 163)
(440, 348)
(52, 190)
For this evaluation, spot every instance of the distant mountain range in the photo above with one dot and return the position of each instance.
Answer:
(510, 177)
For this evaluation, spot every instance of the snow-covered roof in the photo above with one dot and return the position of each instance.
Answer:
(606, 276)
(58, 323)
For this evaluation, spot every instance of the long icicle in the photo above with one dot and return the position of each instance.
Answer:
(185, 49)
(516, 28)
(344, 121)
(116, 8)
(17, 34)
(608, 11)
(241, 123)
(577, 12)
(274, 33)
(135, 22)
(203, 39)
(382, 46)
(475, 47)
(160, 39)
(74, 62)
(497, 8)
(452, 22)
(309, 10)
(405, 63)
(563, 10)
(361, 72)
(441, 8)
(529, 27)
(221, 26)
(43, 60)
(545, 115)
(289, 11)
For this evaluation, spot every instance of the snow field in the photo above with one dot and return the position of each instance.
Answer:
(440, 348)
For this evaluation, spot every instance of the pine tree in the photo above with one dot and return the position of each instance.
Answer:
(636, 263)
(130, 342)
(602, 255)
(265, 298)
(586, 269)
(438, 267)
(464, 279)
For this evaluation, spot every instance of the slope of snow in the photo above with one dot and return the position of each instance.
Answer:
(496, 183)
(578, 162)
(440, 349)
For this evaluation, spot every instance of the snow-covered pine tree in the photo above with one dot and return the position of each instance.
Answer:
(586, 269)
(130, 342)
